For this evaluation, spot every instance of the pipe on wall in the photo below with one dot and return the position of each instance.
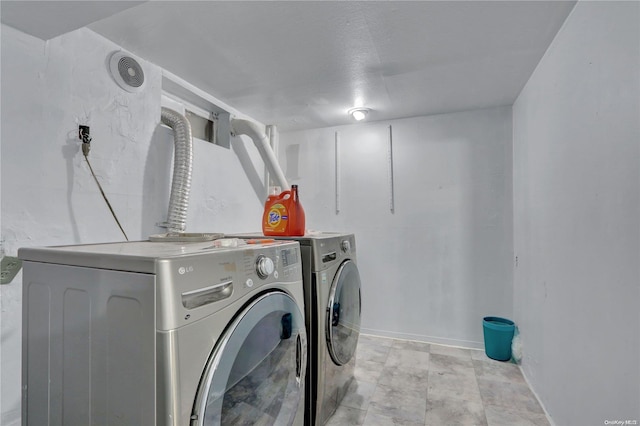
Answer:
(272, 133)
(182, 168)
(261, 141)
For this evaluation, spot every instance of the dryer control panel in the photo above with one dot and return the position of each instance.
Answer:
(196, 286)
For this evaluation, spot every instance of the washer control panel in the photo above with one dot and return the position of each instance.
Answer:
(332, 250)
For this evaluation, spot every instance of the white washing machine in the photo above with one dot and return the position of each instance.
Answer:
(147, 333)
(333, 309)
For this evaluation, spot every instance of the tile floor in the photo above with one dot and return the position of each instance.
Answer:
(399, 382)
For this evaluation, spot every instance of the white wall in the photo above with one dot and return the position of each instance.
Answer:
(577, 211)
(48, 195)
(442, 261)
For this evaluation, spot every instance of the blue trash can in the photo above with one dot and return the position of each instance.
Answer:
(498, 333)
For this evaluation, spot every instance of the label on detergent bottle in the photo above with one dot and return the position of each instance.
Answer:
(277, 218)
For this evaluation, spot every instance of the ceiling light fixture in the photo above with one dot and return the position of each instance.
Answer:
(359, 113)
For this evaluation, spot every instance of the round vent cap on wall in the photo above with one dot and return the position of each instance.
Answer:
(127, 72)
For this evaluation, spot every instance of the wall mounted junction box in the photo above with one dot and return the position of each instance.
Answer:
(10, 268)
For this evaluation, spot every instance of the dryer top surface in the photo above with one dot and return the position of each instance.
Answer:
(140, 256)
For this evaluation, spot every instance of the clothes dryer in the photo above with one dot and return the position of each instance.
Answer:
(175, 334)
(332, 308)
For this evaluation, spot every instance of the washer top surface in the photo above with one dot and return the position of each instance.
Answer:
(139, 256)
(306, 239)
(326, 249)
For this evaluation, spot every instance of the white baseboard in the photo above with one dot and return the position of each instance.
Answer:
(467, 344)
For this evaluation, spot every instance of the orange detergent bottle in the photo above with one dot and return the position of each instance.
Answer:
(283, 214)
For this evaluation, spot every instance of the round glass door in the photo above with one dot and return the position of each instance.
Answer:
(343, 313)
(256, 372)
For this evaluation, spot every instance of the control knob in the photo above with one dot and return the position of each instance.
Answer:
(264, 266)
(345, 246)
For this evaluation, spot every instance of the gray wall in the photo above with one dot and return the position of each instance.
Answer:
(432, 269)
(577, 210)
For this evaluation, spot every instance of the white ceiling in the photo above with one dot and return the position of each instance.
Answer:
(303, 64)
(49, 19)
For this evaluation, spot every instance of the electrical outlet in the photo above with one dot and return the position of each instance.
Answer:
(10, 266)
(83, 132)
(85, 137)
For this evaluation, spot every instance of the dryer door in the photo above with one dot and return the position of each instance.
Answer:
(255, 374)
(343, 313)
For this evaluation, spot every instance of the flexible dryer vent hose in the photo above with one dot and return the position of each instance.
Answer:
(182, 166)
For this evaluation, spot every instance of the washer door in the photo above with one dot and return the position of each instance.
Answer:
(255, 374)
(343, 313)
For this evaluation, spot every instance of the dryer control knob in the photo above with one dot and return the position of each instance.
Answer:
(346, 246)
(264, 266)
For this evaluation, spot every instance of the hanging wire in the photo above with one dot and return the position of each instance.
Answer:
(86, 146)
